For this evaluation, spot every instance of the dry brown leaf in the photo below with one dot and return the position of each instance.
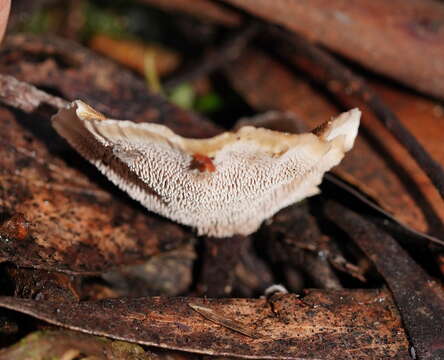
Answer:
(329, 325)
(418, 296)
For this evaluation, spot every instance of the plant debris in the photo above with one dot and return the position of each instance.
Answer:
(334, 324)
(323, 278)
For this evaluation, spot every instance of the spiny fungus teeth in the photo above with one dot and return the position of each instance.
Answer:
(221, 186)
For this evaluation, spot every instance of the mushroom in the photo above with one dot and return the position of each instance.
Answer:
(221, 186)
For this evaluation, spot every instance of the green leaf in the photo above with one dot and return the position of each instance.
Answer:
(183, 96)
(208, 103)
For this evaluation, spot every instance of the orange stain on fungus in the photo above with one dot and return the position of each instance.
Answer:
(202, 163)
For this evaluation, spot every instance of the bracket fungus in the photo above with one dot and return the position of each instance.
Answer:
(221, 186)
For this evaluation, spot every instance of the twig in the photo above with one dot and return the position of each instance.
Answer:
(418, 297)
(222, 320)
(215, 59)
(24, 96)
(356, 194)
(335, 73)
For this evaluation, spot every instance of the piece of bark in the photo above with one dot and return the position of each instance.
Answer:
(205, 10)
(389, 175)
(401, 39)
(418, 296)
(328, 325)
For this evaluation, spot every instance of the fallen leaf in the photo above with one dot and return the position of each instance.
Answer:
(373, 33)
(43, 200)
(330, 325)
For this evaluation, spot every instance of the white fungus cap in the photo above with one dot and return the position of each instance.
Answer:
(251, 174)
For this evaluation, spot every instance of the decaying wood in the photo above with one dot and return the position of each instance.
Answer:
(418, 296)
(402, 39)
(328, 325)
